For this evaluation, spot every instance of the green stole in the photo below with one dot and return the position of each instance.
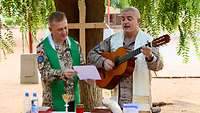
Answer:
(57, 86)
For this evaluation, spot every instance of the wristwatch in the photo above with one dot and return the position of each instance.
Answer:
(151, 59)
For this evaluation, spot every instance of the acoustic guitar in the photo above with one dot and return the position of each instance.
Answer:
(124, 61)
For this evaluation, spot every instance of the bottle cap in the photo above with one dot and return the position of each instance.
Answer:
(35, 94)
(26, 94)
(131, 105)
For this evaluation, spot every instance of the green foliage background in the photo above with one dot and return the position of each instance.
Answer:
(30, 15)
(170, 16)
(7, 42)
(156, 15)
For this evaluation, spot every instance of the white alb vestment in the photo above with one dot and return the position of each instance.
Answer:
(141, 74)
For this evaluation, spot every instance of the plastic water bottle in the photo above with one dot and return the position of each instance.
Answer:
(131, 108)
(34, 104)
(27, 103)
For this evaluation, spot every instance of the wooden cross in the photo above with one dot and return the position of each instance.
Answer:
(83, 25)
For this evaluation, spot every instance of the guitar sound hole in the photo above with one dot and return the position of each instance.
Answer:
(117, 61)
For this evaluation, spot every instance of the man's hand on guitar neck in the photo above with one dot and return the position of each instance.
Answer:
(108, 65)
(147, 51)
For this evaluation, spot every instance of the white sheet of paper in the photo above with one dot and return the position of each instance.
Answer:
(87, 72)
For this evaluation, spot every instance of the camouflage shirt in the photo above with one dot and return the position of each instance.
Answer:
(125, 85)
(48, 74)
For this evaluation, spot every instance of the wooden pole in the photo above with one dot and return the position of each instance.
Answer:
(30, 32)
(82, 13)
(30, 41)
(108, 10)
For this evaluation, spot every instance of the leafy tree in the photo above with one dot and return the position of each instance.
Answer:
(157, 15)
(118, 3)
(30, 15)
(7, 42)
(170, 16)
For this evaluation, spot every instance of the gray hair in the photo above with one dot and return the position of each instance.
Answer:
(56, 17)
(132, 9)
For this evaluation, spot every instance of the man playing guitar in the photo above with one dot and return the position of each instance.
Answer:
(135, 87)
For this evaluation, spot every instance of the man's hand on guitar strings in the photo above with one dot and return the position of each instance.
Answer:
(147, 51)
(108, 65)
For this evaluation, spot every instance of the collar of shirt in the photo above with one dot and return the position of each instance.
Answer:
(128, 43)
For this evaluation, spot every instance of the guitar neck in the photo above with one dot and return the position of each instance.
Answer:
(155, 43)
(127, 56)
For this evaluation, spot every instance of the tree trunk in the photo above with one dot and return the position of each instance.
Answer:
(91, 96)
(70, 8)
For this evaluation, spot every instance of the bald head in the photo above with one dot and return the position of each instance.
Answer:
(134, 10)
(130, 20)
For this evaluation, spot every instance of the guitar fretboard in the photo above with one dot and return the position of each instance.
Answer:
(155, 43)
(128, 56)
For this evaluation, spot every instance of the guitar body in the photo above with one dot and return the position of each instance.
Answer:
(124, 63)
(111, 78)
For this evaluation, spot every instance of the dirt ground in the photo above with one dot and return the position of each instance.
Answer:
(183, 94)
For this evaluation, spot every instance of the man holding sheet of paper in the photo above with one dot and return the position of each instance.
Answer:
(57, 53)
